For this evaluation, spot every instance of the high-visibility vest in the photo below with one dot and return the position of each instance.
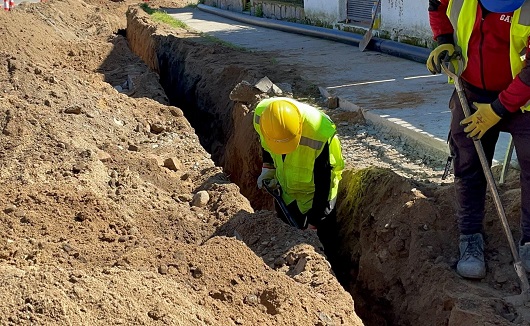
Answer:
(295, 173)
(462, 15)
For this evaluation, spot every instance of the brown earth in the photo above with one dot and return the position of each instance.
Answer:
(115, 210)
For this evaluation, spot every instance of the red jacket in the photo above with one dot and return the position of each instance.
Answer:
(488, 64)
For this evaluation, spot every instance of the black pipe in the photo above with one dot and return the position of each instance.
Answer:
(402, 50)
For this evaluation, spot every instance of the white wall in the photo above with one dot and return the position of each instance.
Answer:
(400, 18)
(406, 17)
(331, 11)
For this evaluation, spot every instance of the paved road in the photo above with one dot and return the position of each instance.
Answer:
(396, 93)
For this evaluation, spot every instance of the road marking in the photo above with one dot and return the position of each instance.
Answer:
(381, 81)
(363, 83)
(424, 76)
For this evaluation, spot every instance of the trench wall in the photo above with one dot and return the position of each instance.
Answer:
(198, 77)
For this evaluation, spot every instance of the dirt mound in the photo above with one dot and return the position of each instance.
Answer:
(403, 238)
(110, 205)
(113, 212)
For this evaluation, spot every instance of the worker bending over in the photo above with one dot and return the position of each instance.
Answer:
(301, 151)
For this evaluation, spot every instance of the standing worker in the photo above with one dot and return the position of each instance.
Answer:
(492, 37)
(302, 153)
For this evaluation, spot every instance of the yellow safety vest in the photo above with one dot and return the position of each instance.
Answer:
(295, 173)
(462, 15)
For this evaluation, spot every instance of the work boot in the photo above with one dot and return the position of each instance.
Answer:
(471, 263)
(524, 255)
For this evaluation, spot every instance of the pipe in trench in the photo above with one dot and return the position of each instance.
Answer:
(402, 50)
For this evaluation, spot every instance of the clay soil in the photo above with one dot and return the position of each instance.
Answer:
(117, 206)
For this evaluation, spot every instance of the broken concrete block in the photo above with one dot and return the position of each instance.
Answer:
(276, 90)
(264, 85)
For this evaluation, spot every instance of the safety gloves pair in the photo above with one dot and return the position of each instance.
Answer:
(268, 175)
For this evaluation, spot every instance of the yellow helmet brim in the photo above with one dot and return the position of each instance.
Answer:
(283, 146)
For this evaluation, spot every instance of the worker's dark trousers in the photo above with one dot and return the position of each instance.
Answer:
(470, 182)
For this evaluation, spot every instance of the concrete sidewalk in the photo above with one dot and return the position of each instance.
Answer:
(398, 96)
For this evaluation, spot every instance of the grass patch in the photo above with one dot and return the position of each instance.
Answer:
(163, 17)
(259, 10)
(356, 191)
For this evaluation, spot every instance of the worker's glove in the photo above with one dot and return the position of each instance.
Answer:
(266, 174)
(442, 53)
(480, 121)
(272, 184)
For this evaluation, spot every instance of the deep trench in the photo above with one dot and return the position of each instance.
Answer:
(373, 311)
(213, 125)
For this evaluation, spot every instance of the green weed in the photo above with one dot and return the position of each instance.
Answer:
(163, 17)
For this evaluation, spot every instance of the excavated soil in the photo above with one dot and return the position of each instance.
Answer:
(128, 193)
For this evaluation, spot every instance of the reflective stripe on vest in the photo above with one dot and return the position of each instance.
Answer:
(462, 15)
(312, 143)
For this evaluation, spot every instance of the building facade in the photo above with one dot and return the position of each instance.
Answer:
(404, 21)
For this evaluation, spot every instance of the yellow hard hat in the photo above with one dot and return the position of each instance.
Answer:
(281, 126)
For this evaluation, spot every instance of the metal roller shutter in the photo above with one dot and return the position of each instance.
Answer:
(360, 10)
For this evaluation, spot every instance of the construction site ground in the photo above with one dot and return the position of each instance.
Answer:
(129, 192)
